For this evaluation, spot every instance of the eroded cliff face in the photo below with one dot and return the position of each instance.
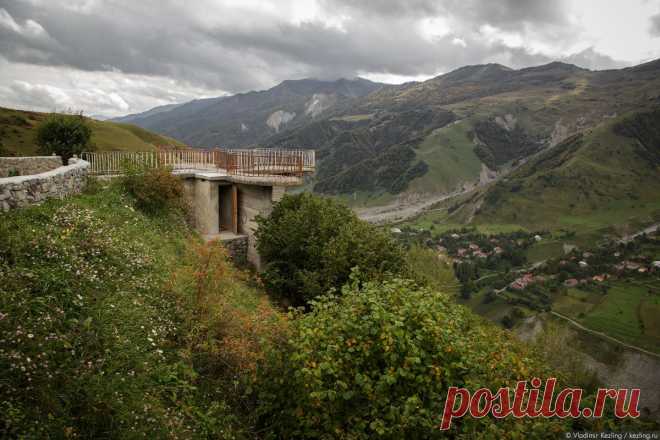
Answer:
(319, 103)
(279, 119)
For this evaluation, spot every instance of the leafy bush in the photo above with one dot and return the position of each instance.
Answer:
(310, 244)
(377, 362)
(64, 135)
(155, 189)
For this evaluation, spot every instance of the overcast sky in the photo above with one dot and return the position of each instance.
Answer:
(113, 57)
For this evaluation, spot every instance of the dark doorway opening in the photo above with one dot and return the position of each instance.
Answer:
(228, 208)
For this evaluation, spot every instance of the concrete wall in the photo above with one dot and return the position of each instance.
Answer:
(22, 166)
(211, 205)
(252, 201)
(189, 197)
(19, 191)
(206, 207)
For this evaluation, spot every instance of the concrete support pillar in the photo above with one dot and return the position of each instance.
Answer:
(206, 207)
(277, 193)
(253, 201)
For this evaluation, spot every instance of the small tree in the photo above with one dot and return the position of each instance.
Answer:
(64, 135)
(311, 244)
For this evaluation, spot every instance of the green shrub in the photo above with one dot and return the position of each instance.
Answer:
(155, 189)
(377, 362)
(64, 135)
(310, 244)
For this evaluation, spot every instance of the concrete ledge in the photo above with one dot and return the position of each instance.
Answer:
(221, 175)
(267, 180)
(28, 165)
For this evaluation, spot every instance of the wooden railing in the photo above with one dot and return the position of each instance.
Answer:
(252, 162)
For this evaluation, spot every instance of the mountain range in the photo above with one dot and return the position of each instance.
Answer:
(450, 132)
(250, 118)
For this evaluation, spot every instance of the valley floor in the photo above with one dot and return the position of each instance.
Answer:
(600, 287)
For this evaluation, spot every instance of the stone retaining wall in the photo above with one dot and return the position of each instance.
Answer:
(23, 166)
(19, 191)
(237, 248)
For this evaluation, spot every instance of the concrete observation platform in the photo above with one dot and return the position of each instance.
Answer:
(226, 188)
(225, 206)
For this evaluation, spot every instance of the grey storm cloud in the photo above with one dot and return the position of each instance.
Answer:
(164, 38)
(506, 14)
(206, 45)
(155, 40)
(591, 59)
(655, 25)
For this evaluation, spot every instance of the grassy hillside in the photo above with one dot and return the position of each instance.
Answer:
(609, 175)
(109, 324)
(18, 128)
(450, 155)
(118, 324)
(629, 311)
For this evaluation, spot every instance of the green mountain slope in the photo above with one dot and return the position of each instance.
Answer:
(607, 175)
(506, 115)
(18, 128)
(451, 158)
